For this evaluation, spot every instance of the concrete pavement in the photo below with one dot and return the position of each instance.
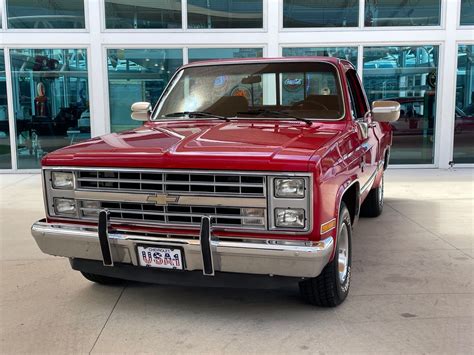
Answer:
(412, 288)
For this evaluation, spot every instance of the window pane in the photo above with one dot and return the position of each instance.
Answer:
(225, 14)
(45, 14)
(320, 13)
(464, 116)
(347, 53)
(402, 13)
(137, 75)
(467, 12)
(142, 14)
(407, 75)
(51, 101)
(5, 155)
(197, 54)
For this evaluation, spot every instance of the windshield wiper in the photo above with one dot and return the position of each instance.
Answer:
(271, 112)
(197, 114)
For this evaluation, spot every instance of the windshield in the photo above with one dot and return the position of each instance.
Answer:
(292, 89)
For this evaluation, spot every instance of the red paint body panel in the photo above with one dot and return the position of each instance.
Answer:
(206, 144)
(333, 151)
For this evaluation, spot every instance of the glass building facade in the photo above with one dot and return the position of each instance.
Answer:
(320, 13)
(50, 101)
(142, 14)
(71, 69)
(464, 112)
(36, 14)
(402, 13)
(407, 75)
(199, 54)
(225, 14)
(137, 75)
(5, 152)
(347, 53)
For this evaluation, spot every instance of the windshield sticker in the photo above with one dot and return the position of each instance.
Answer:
(292, 83)
(221, 81)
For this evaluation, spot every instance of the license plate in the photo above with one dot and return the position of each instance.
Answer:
(158, 257)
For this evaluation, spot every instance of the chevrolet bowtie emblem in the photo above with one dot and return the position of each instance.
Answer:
(161, 200)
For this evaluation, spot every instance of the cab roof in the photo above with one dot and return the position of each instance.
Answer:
(319, 59)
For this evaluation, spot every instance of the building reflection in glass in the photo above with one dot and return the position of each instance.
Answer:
(464, 112)
(50, 101)
(408, 75)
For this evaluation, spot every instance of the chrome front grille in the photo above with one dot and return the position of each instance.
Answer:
(174, 198)
(172, 182)
(130, 196)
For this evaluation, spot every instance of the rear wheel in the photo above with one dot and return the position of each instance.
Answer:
(331, 287)
(103, 280)
(373, 204)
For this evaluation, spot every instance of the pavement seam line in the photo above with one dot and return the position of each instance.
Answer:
(107, 320)
(430, 231)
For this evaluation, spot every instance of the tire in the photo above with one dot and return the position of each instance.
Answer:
(103, 280)
(373, 204)
(331, 287)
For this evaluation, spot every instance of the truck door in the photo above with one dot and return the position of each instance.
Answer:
(367, 137)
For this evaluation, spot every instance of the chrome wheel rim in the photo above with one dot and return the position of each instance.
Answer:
(343, 253)
(380, 194)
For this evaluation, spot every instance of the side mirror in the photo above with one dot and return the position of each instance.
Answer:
(385, 111)
(141, 111)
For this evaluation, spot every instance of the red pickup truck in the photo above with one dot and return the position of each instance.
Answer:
(255, 169)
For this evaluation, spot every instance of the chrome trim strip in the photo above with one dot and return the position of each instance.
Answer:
(181, 200)
(222, 201)
(178, 171)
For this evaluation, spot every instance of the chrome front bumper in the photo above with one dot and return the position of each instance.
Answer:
(249, 256)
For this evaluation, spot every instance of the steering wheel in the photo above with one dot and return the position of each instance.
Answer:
(311, 104)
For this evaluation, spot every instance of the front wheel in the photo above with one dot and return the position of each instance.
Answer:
(331, 287)
(373, 204)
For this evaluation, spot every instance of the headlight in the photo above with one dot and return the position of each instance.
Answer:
(289, 218)
(289, 188)
(62, 180)
(64, 206)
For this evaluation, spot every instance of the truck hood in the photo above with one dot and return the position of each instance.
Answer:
(211, 145)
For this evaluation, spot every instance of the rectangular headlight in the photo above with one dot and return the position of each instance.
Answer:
(289, 188)
(62, 180)
(64, 206)
(289, 218)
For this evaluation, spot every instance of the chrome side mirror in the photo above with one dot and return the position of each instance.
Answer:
(385, 111)
(141, 111)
